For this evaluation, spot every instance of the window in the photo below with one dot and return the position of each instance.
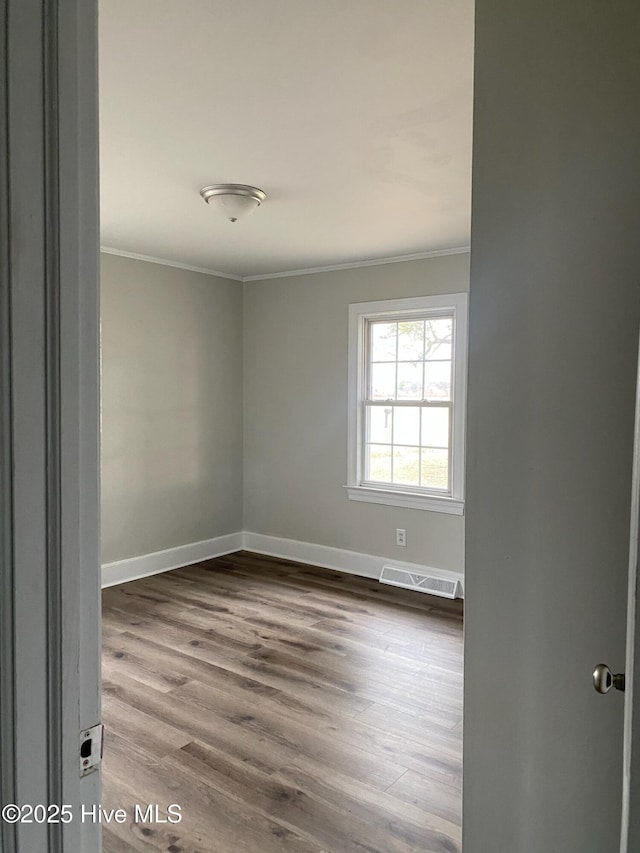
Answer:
(407, 378)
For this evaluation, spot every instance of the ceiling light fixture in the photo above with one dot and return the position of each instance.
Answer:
(234, 201)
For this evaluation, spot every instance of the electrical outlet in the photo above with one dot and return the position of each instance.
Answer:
(401, 537)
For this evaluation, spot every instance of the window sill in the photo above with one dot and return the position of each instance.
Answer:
(410, 500)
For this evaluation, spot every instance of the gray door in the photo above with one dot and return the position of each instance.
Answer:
(554, 316)
(49, 533)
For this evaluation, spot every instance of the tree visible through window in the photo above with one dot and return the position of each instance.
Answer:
(406, 402)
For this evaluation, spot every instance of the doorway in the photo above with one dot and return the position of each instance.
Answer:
(231, 548)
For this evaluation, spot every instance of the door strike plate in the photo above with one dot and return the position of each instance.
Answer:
(90, 749)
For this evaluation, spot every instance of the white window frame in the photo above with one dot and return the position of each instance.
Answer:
(448, 501)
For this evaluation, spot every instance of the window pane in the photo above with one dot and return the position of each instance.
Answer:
(406, 465)
(435, 468)
(383, 341)
(383, 381)
(437, 380)
(378, 463)
(410, 380)
(406, 425)
(438, 336)
(380, 420)
(411, 340)
(435, 427)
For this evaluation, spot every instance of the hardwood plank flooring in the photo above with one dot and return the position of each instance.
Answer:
(285, 708)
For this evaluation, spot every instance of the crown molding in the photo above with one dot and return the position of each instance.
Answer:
(108, 250)
(396, 259)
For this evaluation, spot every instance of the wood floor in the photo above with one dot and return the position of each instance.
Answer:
(284, 708)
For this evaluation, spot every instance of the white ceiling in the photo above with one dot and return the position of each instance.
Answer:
(354, 116)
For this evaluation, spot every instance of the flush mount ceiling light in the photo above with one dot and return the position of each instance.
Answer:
(234, 201)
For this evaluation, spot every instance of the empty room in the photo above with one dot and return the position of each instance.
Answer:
(284, 272)
(318, 374)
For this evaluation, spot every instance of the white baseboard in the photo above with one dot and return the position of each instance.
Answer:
(351, 562)
(172, 558)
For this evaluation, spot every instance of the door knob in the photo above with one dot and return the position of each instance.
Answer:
(604, 679)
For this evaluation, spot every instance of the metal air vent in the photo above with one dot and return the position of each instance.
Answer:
(397, 576)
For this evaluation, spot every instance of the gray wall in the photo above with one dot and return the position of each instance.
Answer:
(554, 311)
(171, 407)
(295, 412)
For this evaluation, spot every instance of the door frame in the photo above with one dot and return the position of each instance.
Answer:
(49, 423)
(630, 828)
